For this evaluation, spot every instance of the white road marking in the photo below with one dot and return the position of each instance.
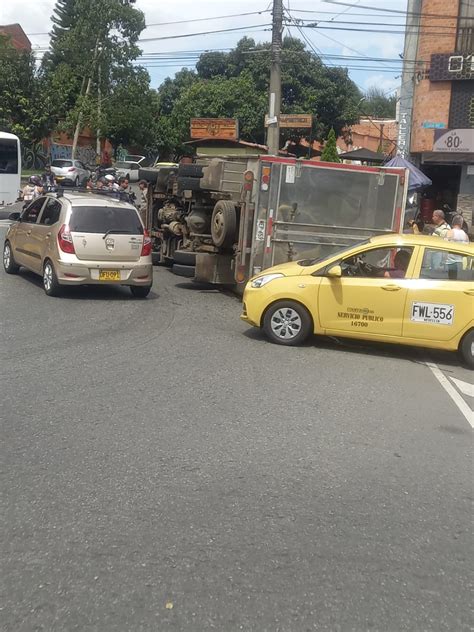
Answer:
(465, 387)
(452, 392)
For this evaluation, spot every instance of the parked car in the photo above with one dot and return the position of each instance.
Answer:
(73, 172)
(405, 289)
(128, 169)
(81, 239)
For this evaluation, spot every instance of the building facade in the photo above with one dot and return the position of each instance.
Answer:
(436, 108)
(16, 36)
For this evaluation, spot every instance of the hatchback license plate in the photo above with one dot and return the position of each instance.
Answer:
(109, 275)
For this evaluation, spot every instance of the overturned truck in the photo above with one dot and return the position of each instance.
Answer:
(221, 220)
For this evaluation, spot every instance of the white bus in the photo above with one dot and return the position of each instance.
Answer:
(10, 168)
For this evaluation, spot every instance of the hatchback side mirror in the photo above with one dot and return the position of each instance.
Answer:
(14, 217)
(334, 272)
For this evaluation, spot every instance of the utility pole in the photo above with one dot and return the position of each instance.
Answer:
(274, 108)
(86, 94)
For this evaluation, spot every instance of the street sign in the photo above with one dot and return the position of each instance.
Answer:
(454, 140)
(218, 128)
(289, 121)
(433, 125)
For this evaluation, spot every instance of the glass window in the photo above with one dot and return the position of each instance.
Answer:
(8, 155)
(61, 163)
(30, 214)
(51, 213)
(100, 219)
(446, 265)
(465, 39)
(390, 263)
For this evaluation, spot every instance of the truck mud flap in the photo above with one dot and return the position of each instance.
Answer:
(184, 271)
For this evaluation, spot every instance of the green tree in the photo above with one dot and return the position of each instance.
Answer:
(330, 149)
(20, 94)
(378, 105)
(235, 84)
(89, 43)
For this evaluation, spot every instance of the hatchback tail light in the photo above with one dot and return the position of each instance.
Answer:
(71, 169)
(147, 244)
(65, 240)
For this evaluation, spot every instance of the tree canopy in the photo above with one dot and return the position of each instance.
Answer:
(378, 105)
(235, 84)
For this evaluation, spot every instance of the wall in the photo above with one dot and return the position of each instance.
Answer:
(432, 100)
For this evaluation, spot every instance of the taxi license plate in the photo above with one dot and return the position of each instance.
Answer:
(109, 275)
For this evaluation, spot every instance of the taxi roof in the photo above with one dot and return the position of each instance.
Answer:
(420, 240)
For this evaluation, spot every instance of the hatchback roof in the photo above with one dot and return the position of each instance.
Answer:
(84, 198)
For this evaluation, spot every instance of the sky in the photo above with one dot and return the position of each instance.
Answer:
(164, 57)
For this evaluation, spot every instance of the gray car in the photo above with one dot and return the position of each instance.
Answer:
(73, 172)
(81, 239)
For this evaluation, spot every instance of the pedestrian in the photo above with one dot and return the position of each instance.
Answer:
(442, 226)
(143, 199)
(455, 234)
(89, 184)
(123, 184)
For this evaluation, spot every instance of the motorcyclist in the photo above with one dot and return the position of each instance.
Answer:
(48, 179)
(33, 189)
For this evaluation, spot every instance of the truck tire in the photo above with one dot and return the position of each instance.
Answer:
(150, 174)
(191, 171)
(185, 257)
(224, 223)
(184, 271)
(186, 183)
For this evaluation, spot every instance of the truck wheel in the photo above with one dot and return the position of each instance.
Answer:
(192, 171)
(184, 271)
(224, 223)
(188, 184)
(287, 323)
(148, 174)
(466, 349)
(184, 257)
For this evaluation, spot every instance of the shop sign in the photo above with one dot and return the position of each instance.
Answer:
(452, 67)
(290, 121)
(218, 128)
(454, 140)
(433, 125)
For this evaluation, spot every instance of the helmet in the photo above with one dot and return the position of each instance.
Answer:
(35, 180)
(109, 178)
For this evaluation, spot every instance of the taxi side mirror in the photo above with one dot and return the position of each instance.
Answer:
(14, 217)
(334, 272)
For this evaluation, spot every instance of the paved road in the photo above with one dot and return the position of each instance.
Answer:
(165, 468)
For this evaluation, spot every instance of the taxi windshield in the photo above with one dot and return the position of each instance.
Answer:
(312, 262)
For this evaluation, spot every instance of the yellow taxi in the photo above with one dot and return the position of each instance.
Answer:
(405, 289)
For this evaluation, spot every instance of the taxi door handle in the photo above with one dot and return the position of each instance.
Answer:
(470, 292)
(391, 288)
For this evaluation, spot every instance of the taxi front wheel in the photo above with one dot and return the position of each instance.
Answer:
(466, 349)
(287, 323)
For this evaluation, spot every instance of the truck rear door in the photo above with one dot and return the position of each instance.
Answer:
(307, 209)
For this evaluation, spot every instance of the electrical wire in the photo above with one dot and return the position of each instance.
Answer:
(231, 30)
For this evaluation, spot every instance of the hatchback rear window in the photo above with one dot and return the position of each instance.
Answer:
(61, 163)
(100, 219)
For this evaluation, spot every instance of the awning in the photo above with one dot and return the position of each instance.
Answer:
(417, 179)
(364, 155)
(447, 158)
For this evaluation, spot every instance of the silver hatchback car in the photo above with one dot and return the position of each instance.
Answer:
(81, 239)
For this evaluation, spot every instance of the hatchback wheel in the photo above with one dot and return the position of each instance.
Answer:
(287, 323)
(466, 349)
(140, 291)
(76, 182)
(50, 280)
(8, 261)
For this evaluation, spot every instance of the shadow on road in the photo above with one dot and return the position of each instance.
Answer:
(88, 292)
(363, 347)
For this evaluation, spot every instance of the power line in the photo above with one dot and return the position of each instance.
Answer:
(397, 11)
(170, 37)
(216, 17)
